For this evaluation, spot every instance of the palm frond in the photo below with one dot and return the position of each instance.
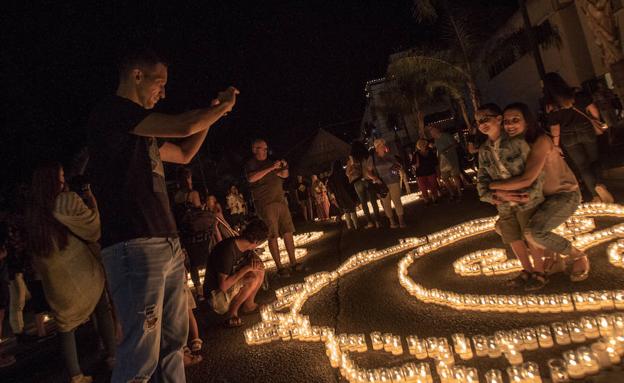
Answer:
(516, 44)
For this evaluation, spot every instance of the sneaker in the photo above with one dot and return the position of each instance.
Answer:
(604, 194)
(520, 280)
(536, 282)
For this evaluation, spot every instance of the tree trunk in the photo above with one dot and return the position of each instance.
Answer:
(474, 96)
(464, 112)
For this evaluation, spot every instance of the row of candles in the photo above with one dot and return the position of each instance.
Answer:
(290, 325)
(405, 200)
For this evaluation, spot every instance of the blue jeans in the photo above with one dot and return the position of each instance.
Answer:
(551, 213)
(146, 280)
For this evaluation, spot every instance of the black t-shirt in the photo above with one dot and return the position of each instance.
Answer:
(427, 163)
(127, 175)
(269, 189)
(569, 119)
(302, 191)
(225, 258)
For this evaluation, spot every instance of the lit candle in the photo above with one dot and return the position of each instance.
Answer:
(432, 347)
(529, 339)
(599, 349)
(514, 374)
(605, 325)
(588, 360)
(513, 356)
(558, 371)
(480, 345)
(573, 365)
(493, 349)
(544, 336)
(577, 335)
(494, 376)
(590, 327)
(472, 375)
(531, 373)
(376, 340)
(562, 335)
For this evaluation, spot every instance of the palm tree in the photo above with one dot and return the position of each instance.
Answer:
(454, 91)
(601, 20)
(458, 35)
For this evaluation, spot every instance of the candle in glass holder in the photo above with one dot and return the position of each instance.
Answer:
(424, 372)
(410, 371)
(444, 372)
(458, 373)
(513, 356)
(558, 371)
(599, 349)
(432, 347)
(573, 365)
(387, 341)
(472, 375)
(480, 345)
(618, 299)
(590, 327)
(562, 335)
(397, 375)
(612, 351)
(494, 376)
(577, 335)
(531, 373)
(411, 343)
(544, 336)
(376, 340)
(462, 346)
(493, 349)
(397, 345)
(566, 303)
(589, 361)
(618, 323)
(420, 349)
(529, 339)
(514, 373)
(605, 325)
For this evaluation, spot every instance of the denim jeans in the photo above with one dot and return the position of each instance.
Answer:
(364, 195)
(582, 151)
(554, 211)
(146, 280)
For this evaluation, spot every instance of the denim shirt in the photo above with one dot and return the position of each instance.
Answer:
(513, 153)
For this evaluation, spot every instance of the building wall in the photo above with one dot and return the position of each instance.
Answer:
(577, 60)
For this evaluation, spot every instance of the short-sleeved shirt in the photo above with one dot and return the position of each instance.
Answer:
(570, 120)
(269, 189)
(427, 163)
(384, 168)
(444, 142)
(226, 259)
(302, 191)
(127, 175)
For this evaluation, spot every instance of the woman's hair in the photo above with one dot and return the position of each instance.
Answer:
(359, 152)
(255, 231)
(533, 128)
(556, 90)
(183, 174)
(490, 107)
(45, 231)
(421, 144)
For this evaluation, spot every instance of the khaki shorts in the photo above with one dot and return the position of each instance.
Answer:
(190, 300)
(277, 218)
(220, 301)
(510, 225)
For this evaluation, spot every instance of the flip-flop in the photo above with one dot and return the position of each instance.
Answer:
(233, 322)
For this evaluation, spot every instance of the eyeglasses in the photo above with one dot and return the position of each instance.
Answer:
(486, 119)
(514, 120)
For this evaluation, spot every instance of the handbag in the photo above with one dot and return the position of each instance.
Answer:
(381, 189)
(599, 126)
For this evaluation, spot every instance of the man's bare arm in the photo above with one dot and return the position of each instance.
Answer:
(260, 174)
(189, 123)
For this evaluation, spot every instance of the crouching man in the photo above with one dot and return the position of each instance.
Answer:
(234, 273)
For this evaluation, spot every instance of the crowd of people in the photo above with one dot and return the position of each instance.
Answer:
(119, 251)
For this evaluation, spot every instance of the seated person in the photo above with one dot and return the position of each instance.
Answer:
(234, 273)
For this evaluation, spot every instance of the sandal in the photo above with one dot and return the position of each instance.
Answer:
(233, 322)
(578, 276)
(196, 345)
(537, 282)
(192, 359)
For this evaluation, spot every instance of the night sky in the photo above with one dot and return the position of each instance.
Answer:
(298, 64)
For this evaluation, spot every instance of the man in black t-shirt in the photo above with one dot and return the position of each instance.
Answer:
(234, 273)
(141, 251)
(266, 179)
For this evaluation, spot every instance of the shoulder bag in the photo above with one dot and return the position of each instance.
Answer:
(599, 126)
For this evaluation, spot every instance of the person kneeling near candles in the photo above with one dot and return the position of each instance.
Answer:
(234, 273)
(561, 193)
(502, 157)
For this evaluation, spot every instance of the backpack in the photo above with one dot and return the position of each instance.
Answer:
(191, 219)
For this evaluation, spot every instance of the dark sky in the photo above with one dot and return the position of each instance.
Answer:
(298, 64)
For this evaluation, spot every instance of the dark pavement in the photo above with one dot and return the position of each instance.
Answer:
(369, 299)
